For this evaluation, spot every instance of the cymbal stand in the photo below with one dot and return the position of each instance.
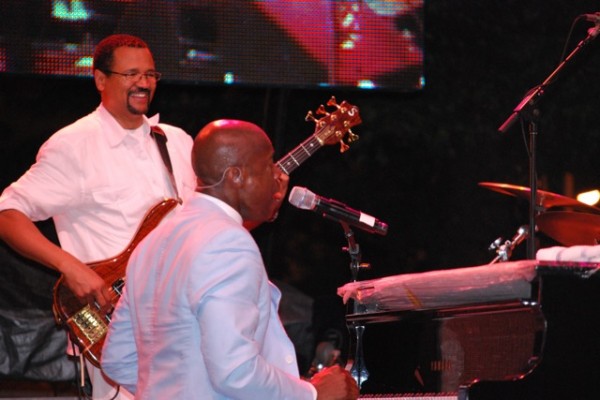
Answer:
(504, 250)
(356, 362)
(527, 110)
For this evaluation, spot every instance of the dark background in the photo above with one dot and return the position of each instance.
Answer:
(420, 155)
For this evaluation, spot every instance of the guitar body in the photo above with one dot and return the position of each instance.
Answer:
(87, 326)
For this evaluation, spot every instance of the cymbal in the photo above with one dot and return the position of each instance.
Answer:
(544, 199)
(570, 228)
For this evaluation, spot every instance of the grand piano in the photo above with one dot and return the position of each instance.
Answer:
(519, 330)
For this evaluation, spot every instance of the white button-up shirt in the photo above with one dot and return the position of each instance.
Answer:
(97, 180)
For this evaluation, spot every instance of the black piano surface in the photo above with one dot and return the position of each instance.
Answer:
(544, 347)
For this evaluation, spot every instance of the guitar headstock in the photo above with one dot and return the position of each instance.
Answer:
(333, 127)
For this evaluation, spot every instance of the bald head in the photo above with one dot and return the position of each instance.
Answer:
(226, 143)
(233, 161)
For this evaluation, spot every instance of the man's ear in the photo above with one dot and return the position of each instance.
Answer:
(99, 79)
(236, 174)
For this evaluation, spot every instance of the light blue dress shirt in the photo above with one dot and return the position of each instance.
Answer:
(198, 318)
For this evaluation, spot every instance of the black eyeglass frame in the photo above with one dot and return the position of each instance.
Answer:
(136, 76)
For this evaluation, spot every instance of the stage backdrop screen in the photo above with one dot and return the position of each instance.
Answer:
(293, 43)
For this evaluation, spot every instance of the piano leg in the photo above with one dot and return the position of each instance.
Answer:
(356, 365)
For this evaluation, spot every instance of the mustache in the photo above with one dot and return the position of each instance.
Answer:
(140, 90)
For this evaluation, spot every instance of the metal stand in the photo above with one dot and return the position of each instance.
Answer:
(356, 364)
(527, 110)
(504, 250)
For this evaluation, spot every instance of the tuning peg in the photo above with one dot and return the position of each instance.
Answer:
(343, 146)
(311, 117)
(352, 137)
(332, 102)
(321, 110)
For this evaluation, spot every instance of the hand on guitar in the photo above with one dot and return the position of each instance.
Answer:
(335, 383)
(19, 232)
(86, 284)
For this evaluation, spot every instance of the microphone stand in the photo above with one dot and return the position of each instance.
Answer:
(354, 250)
(358, 370)
(527, 110)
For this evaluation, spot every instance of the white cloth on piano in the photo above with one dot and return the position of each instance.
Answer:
(434, 289)
(581, 253)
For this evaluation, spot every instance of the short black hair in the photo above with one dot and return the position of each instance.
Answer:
(103, 55)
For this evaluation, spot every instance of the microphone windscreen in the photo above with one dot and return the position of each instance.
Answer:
(302, 198)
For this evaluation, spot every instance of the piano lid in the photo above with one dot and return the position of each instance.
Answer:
(444, 288)
(453, 287)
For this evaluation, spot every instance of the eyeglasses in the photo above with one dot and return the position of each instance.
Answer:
(136, 76)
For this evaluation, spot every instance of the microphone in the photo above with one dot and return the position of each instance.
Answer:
(332, 209)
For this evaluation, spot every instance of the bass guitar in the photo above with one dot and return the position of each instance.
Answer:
(87, 325)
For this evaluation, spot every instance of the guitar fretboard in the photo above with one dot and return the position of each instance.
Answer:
(298, 155)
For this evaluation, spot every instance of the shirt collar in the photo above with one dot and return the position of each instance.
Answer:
(115, 132)
(222, 205)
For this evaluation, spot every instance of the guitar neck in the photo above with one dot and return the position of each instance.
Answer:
(298, 155)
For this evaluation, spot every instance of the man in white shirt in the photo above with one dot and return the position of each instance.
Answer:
(198, 317)
(97, 178)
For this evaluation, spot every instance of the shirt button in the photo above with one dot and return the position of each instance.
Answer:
(289, 359)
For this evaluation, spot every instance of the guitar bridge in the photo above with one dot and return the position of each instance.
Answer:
(90, 323)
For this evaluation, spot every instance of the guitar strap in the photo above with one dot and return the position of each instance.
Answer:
(161, 141)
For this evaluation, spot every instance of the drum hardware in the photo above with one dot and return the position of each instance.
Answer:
(569, 228)
(504, 250)
(529, 113)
